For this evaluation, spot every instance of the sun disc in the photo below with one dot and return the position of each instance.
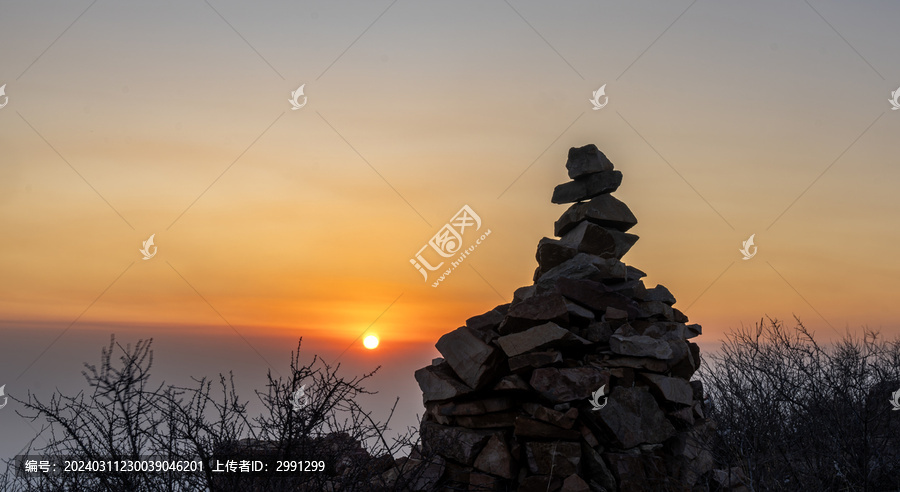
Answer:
(370, 342)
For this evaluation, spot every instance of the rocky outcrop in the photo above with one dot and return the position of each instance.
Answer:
(582, 382)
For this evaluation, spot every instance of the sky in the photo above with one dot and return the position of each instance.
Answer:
(172, 119)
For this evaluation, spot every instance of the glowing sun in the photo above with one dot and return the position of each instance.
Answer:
(370, 342)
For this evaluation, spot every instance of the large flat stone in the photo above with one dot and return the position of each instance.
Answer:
(604, 210)
(640, 346)
(552, 252)
(632, 417)
(539, 337)
(475, 362)
(495, 458)
(675, 390)
(457, 443)
(534, 307)
(587, 160)
(583, 266)
(595, 295)
(489, 320)
(533, 360)
(440, 383)
(587, 237)
(659, 293)
(587, 187)
(561, 385)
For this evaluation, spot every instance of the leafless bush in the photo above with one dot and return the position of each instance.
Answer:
(124, 416)
(794, 415)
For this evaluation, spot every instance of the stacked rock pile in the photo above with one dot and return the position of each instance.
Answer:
(513, 402)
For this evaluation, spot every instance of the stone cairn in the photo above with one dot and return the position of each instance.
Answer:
(512, 405)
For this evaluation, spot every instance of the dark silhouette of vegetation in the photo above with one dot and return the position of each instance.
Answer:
(792, 414)
(123, 416)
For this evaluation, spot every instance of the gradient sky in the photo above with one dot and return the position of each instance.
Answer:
(172, 118)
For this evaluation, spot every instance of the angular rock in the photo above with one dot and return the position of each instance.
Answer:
(552, 252)
(596, 468)
(489, 320)
(691, 452)
(538, 337)
(587, 237)
(457, 443)
(568, 384)
(583, 266)
(574, 483)
(495, 458)
(692, 331)
(559, 458)
(657, 310)
(588, 438)
(597, 332)
(440, 383)
(659, 293)
(578, 314)
(604, 210)
(640, 346)
(474, 361)
(429, 472)
(615, 314)
(587, 160)
(683, 417)
(679, 316)
(632, 417)
(533, 308)
(674, 390)
(587, 187)
(553, 417)
(533, 360)
(637, 473)
(595, 296)
(534, 429)
(634, 273)
(687, 366)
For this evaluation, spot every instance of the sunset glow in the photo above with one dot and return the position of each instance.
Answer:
(370, 342)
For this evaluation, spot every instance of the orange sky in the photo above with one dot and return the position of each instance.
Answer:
(310, 217)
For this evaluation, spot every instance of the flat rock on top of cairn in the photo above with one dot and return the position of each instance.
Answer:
(513, 403)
